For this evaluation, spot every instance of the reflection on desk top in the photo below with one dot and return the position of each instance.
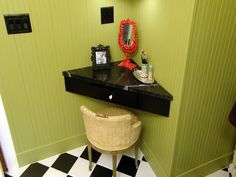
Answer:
(119, 77)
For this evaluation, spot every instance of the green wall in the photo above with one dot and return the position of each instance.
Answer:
(204, 135)
(43, 118)
(190, 44)
(164, 29)
(192, 47)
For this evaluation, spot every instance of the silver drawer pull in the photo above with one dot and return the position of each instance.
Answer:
(110, 97)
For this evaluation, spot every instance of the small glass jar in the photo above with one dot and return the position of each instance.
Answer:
(150, 72)
(144, 70)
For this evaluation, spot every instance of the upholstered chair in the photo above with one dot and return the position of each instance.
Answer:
(111, 130)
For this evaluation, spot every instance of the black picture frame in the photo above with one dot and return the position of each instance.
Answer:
(101, 57)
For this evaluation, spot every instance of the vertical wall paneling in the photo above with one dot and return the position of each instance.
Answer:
(43, 118)
(204, 133)
(164, 35)
(190, 43)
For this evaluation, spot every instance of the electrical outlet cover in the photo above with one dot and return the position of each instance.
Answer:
(107, 15)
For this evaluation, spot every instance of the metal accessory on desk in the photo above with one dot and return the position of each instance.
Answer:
(69, 75)
(138, 75)
(139, 85)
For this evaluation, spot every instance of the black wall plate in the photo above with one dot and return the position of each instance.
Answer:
(107, 15)
(19, 23)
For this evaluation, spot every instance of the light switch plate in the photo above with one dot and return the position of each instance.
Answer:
(17, 23)
(107, 15)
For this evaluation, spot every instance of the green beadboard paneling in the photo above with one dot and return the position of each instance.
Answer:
(40, 113)
(209, 167)
(204, 133)
(62, 145)
(190, 44)
(163, 28)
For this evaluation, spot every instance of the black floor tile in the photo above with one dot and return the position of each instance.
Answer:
(100, 171)
(35, 170)
(225, 169)
(127, 165)
(6, 175)
(64, 162)
(95, 155)
(143, 159)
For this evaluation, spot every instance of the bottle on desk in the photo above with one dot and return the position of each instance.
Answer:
(144, 67)
(150, 72)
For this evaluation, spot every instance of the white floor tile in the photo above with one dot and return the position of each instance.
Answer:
(145, 169)
(49, 161)
(77, 152)
(18, 172)
(81, 168)
(219, 173)
(106, 160)
(54, 172)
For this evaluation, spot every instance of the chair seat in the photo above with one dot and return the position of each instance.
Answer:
(111, 129)
(114, 111)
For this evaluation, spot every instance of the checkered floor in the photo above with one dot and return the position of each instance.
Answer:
(74, 163)
(221, 173)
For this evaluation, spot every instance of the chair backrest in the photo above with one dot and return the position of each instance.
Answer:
(107, 132)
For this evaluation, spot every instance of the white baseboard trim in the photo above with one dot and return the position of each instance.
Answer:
(6, 141)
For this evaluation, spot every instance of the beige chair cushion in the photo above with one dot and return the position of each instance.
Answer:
(111, 129)
(114, 111)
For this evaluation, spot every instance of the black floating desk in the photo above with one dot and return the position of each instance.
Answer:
(117, 85)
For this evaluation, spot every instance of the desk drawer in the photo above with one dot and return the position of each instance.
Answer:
(101, 92)
(154, 105)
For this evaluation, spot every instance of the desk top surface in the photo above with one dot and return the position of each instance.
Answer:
(118, 77)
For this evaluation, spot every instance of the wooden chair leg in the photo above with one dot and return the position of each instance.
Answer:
(136, 156)
(114, 159)
(90, 156)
